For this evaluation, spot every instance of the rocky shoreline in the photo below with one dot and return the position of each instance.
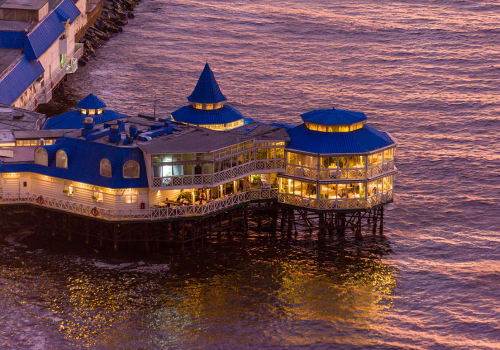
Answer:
(114, 15)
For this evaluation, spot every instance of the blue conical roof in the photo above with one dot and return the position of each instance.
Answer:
(207, 90)
(91, 102)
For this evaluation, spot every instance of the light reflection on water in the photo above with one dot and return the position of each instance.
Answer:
(237, 293)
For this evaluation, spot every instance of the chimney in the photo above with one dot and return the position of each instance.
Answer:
(114, 134)
(88, 125)
(133, 131)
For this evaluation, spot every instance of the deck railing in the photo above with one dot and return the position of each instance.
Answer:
(339, 203)
(163, 213)
(151, 214)
(336, 174)
(219, 178)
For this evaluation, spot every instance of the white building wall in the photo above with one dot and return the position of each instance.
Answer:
(10, 185)
(84, 193)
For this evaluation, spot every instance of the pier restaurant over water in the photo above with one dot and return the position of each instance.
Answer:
(204, 159)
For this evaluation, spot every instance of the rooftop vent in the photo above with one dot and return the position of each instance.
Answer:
(114, 134)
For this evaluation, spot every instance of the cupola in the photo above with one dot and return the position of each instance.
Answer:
(208, 107)
(206, 94)
(91, 105)
(333, 120)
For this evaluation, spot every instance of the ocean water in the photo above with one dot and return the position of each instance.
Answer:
(427, 71)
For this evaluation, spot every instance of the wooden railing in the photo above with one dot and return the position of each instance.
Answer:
(219, 178)
(335, 174)
(150, 214)
(163, 213)
(336, 204)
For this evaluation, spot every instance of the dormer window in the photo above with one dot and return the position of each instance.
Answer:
(105, 168)
(84, 111)
(91, 111)
(99, 111)
(41, 156)
(61, 159)
(131, 169)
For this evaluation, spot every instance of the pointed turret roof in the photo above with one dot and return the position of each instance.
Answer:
(91, 102)
(207, 90)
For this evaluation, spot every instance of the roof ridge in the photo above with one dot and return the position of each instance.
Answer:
(207, 89)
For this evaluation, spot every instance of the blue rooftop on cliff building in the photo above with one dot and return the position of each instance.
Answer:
(208, 108)
(336, 131)
(90, 106)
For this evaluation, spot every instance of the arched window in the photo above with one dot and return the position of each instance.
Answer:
(105, 168)
(61, 159)
(131, 169)
(41, 156)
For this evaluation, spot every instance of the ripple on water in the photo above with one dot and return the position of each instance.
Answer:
(426, 71)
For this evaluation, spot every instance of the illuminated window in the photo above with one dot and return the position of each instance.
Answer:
(91, 111)
(61, 159)
(98, 196)
(388, 182)
(209, 106)
(99, 111)
(321, 128)
(388, 154)
(84, 111)
(130, 196)
(374, 159)
(69, 189)
(105, 168)
(333, 128)
(198, 106)
(41, 156)
(131, 169)
(356, 162)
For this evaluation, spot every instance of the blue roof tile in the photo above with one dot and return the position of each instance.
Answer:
(19, 79)
(43, 36)
(363, 140)
(91, 102)
(188, 114)
(68, 10)
(207, 90)
(333, 117)
(74, 119)
(12, 40)
(45, 33)
(83, 168)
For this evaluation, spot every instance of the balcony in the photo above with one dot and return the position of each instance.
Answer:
(336, 204)
(339, 173)
(219, 178)
(71, 66)
(78, 52)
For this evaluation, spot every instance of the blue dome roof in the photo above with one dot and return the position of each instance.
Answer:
(190, 115)
(362, 140)
(91, 102)
(333, 117)
(207, 90)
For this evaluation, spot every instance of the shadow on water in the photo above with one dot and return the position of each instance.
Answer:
(237, 292)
